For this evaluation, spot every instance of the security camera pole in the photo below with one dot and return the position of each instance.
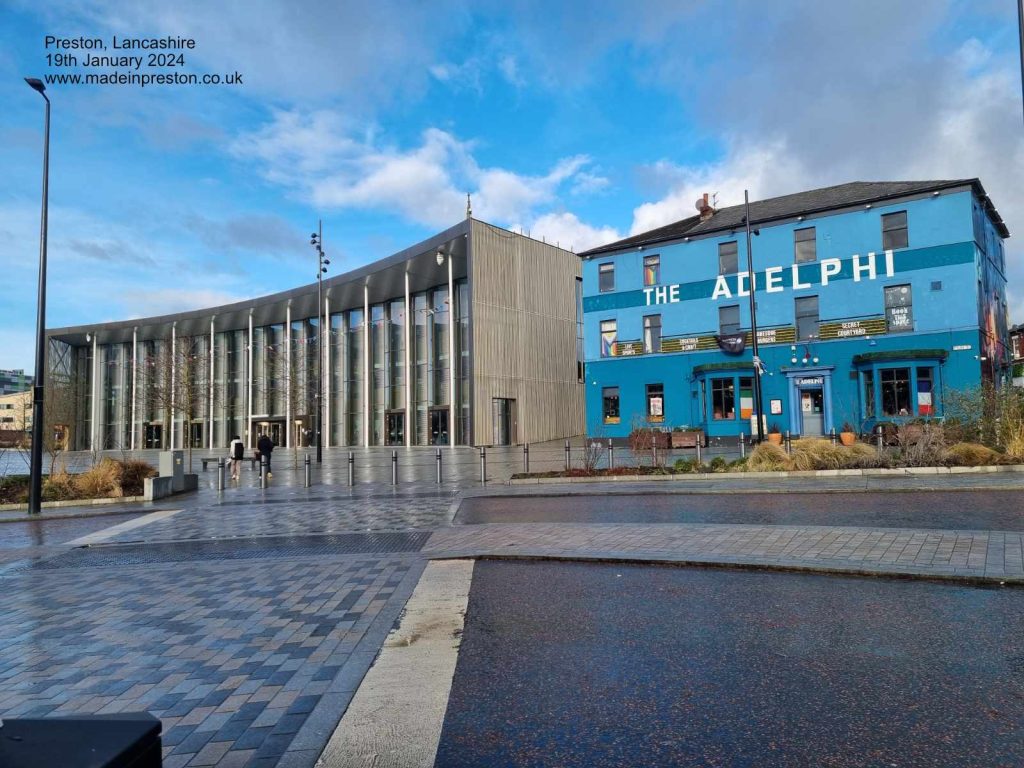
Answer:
(35, 488)
(753, 323)
(317, 241)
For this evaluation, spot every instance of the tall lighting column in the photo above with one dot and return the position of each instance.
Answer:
(35, 487)
(317, 241)
(753, 322)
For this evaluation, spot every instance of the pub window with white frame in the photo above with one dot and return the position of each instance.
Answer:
(894, 230)
(806, 318)
(899, 308)
(805, 246)
(609, 333)
(729, 320)
(610, 405)
(652, 333)
(652, 270)
(606, 277)
(728, 258)
(655, 402)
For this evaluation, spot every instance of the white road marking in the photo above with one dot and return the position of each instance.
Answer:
(395, 718)
(114, 530)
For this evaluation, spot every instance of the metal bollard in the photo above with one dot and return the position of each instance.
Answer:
(743, 445)
(880, 441)
(654, 447)
(394, 467)
(611, 455)
(263, 471)
(567, 459)
(351, 469)
(526, 457)
(833, 435)
(788, 441)
(483, 466)
(437, 458)
(309, 472)
(698, 450)
(220, 474)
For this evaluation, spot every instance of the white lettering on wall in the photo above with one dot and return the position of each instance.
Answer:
(864, 267)
(796, 279)
(860, 267)
(830, 268)
(721, 289)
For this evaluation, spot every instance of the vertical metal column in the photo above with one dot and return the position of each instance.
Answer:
(325, 331)
(880, 441)
(94, 405)
(213, 346)
(220, 474)
(483, 465)
(526, 457)
(394, 467)
(452, 403)
(367, 411)
(174, 379)
(288, 375)
(832, 434)
(309, 472)
(611, 454)
(743, 444)
(437, 458)
(410, 424)
(135, 381)
(567, 458)
(351, 469)
(249, 384)
(263, 471)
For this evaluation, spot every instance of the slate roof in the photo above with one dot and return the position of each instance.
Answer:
(799, 204)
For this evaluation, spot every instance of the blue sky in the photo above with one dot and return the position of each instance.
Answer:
(581, 122)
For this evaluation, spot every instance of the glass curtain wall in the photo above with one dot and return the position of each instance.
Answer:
(463, 366)
(229, 389)
(83, 413)
(269, 371)
(378, 376)
(420, 381)
(339, 366)
(115, 374)
(354, 377)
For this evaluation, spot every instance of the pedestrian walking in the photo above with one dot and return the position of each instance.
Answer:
(237, 453)
(266, 447)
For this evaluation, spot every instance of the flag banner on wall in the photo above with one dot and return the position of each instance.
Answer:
(732, 344)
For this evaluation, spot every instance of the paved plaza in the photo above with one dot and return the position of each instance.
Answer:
(246, 619)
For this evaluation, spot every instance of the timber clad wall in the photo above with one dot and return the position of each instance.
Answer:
(523, 320)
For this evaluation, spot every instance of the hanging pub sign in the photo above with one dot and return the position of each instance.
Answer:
(732, 343)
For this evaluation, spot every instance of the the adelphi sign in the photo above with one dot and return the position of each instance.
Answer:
(728, 286)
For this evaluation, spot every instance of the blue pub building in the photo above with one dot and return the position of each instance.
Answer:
(873, 300)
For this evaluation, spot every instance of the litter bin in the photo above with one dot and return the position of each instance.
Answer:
(128, 740)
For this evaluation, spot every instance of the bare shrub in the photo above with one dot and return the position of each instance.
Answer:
(101, 481)
(768, 457)
(59, 486)
(972, 455)
(133, 475)
(590, 456)
(988, 415)
(922, 445)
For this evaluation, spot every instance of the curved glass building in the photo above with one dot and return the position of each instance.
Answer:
(471, 337)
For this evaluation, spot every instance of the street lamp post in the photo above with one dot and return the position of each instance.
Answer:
(753, 323)
(35, 488)
(317, 241)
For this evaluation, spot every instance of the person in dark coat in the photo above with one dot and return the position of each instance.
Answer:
(266, 447)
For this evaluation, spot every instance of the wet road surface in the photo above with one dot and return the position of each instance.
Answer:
(962, 510)
(56, 530)
(597, 665)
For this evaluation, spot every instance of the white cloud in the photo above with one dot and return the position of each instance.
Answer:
(566, 230)
(316, 158)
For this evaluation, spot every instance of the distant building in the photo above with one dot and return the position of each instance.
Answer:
(15, 418)
(1017, 354)
(14, 381)
(874, 299)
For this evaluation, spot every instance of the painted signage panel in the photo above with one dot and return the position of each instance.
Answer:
(846, 329)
